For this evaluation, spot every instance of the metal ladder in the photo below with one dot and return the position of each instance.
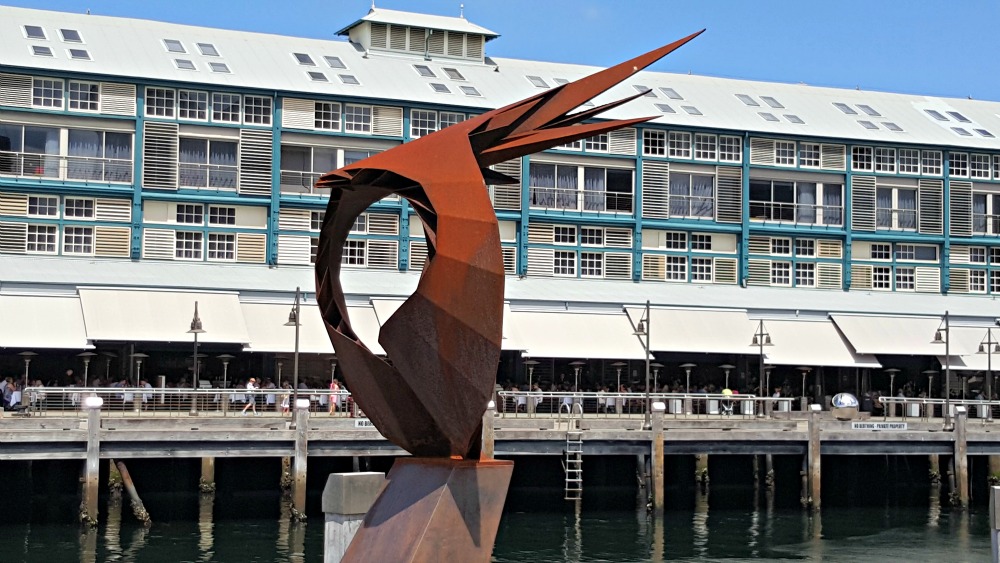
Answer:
(573, 465)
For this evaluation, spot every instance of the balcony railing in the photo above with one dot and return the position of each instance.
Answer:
(219, 176)
(903, 219)
(75, 168)
(581, 200)
(299, 182)
(983, 224)
(800, 213)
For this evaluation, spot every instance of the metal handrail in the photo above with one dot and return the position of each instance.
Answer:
(929, 405)
(624, 405)
(573, 199)
(58, 167)
(796, 212)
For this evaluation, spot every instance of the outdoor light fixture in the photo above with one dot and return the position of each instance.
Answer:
(86, 357)
(196, 329)
(946, 339)
(294, 320)
(93, 402)
(302, 403)
(989, 347)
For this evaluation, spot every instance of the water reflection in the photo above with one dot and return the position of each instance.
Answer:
(699, 523)
(206, 525)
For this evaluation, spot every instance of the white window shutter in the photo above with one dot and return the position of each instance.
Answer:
(159, 155)
(383, 254)
(251, 248)
(961, 208)
(829, 276)
(540, 262)
(507, 196)
(863, 203)
(294, 219)
(829, 248)
(112, 241)
(13, 204)
(255, 162)
(761, 151)
(509, 260)
(759, 244)
(729, 194)
(541, 233)
(158, 244)
(114, 210)
(618, 265)
(959, 280)
(418, 255)
(724, 270)
(298, 114)
(387, 121)
(618, 238)
(117, 99)
(13, 237)
(861, 276)
(833, 157)
(383, 224)
(959, 255)
(931, 207)
(655, 190)
(759, 272)
(622, 141)
(654, 267)
(928, 280)
(15, 90)
(294, 249)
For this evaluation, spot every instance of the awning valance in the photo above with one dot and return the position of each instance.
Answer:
(810, 343)
(576, 335)
(905, 336)
(32, 321)
(162, 316)
(702, 331)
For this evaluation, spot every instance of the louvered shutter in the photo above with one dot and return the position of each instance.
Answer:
(622, 141)
(959, 254)
(383, 224)
(960, 208)
(833, 157)
(159, 155)
(931, 202)
(618, 238)
(418, 255)
(829, 276)
(113, 210)
(618, 265)
(729, 190)
(540, 262)
(724, 270)
(959, 278)
(863, 203)
(387, 121)
(761, 151)
(861, 276)
(294, 219)
(397, 38)
(13, 237)
(117, 99)
(508, 196)
(15, 90)
(655, 190)
(13, 204)
(251, 248)
(294, 249)
(928, 280)
(759, 244)
(383, 254)
(509, 260)
(298, 114)
(158, 244)
(379, 35)
(255, 162)
(541, 233)
(474, 46)
(827, 248)
(654, 267)
(113, 242)
(435, 44)
(456, 44)
(759, 272)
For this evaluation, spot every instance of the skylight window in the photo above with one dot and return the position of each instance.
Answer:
(440, 88)
(772, 102)
(845, 108)
(891, 126)
(34, 32)
(317, 76)
(985, 133)
(560, 81)
(646, 90)
(794, 119)
(537, 81)
(470, 91)
(665, 108)
(959, 117)
(671, 93)
(184, 64)
(961, 131)
(41, 51)
(453, 74)
(767, 116)
(303, 59)
(174, 46)
(692, 110)
(208, 49)
(334, 62)
(79, 54)
(349, 79)
(70, 36)
(936, 115)
(748, 100)
(869, 110)
(867, 124)
(219, 67)
(425, 71)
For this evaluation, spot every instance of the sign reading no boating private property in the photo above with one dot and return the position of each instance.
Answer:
(878, 426)
(363, 423)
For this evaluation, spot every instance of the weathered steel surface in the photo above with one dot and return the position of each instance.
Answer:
(435, 509)
(444, 341)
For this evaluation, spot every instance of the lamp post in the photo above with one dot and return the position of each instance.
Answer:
(226, 358)
(196, 329)
(642, 333)
(805, 400)
(762, 338)
(293, 320)
(138, 357)
(27, 363)
(86, 357)
(946, 339)
(531, 372)
(727, 367)
(656, 374)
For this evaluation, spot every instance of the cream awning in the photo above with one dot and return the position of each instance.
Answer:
(810, 343)
(576, 335)
(702, 331)
(31, 321)
(905, 336)
(384, 308)
(162, 316)
(268, 333)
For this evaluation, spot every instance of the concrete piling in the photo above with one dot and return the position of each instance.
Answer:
(656, 456)
(489, 434)
(814, 458)
(934, 469)
(92, 469)
(299, 465)
(961, 462)
(346, 499)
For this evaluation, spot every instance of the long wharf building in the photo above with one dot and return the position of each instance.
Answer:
(145, 166)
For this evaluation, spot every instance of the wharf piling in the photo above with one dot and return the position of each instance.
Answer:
(346, 499)
(814, 459)
(92, 467)
(961, 460)
(206, 484)
(657, 459)
(489, 432)
(138, 510)
(299, 465)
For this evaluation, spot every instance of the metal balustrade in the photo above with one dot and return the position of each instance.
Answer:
(198, 175)
(542, 404)
(925, 409)
(571, 199)
(799, 213)
(74, 168)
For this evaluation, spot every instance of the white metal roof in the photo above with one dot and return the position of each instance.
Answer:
(396, 17)
(133, 48)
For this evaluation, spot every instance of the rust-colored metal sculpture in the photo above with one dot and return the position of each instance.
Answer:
(444, 341)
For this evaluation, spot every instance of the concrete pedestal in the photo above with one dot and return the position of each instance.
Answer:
(346, 499)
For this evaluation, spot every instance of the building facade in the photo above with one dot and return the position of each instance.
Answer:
(148, 165)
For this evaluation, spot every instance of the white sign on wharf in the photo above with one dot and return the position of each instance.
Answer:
(878, 426)
(363, 423)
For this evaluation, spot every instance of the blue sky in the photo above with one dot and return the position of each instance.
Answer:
(925, 47)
